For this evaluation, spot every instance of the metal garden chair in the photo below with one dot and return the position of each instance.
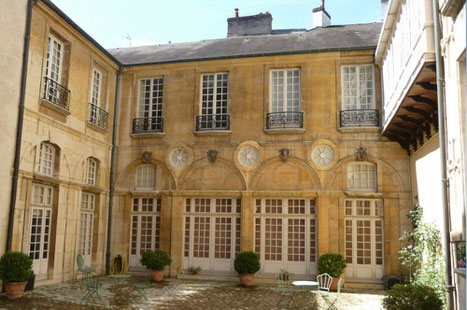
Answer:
(286, 290)
(331, 299)
(81, 267)
(324, 285)
(141, 288)
(93, 288)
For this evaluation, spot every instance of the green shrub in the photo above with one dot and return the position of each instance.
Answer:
(155, 260)
(15, 267)
(247, 262)
(332, 264)
(412, 297)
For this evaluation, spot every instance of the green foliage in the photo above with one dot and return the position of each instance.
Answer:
(423, 254)
(155, 260)
(332, 264)
(194, 269)
(15, 267)
(247, 262)
(412, 297)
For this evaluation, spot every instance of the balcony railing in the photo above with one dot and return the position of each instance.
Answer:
(213, 122)
(359, 118)
(283, 120)
(98, 116)
(56, 94)
(148, 124)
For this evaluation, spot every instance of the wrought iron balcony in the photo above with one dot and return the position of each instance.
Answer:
(98, 116)
(359, 118)
(148, 124)
(56, 94)
(282, 120)
(213, 122)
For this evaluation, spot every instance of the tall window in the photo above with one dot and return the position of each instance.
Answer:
(145, 176)
(86, 222)
(215, 88)
(54, 59)
(91, 171)
(151, 93)
(358, 87)
(96, 87)
(46, 159)
(285, 90)
(361, 177)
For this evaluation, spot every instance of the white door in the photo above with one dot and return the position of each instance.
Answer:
(212, 233)
(364, 239)
(285, 235)
(86, 227)
(39, 228)
(145, 228)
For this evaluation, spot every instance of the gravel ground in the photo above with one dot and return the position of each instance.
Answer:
(178, 294)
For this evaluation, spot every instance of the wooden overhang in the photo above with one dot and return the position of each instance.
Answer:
(416, 118)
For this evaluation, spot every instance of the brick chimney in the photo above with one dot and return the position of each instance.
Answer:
(384, 8)
(321, 18)
(259, 24)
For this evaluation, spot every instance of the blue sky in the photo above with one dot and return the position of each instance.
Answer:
(159, 21)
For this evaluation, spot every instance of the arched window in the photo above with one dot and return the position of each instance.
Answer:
(46, 163)
(361, 177)
(91, 171)
(145, 176)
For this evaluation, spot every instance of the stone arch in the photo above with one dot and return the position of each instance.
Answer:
(389, 180)
(294, 174)
(220, 175)
(165, 179)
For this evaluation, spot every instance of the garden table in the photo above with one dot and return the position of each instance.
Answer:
(304, 287)
(119, 279)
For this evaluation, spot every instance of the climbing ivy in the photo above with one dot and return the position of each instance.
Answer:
(423, 254)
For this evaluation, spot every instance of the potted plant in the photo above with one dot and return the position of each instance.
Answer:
(332, 264)
(246, 264)
(15, 270)
(155, 261)
(194, 270)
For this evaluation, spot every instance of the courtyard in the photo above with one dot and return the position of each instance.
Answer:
(178, 294)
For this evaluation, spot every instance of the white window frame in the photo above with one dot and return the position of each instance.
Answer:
(285, 107)
(46, 166)
(358, 94)
(216, 104)
(50, 48)
(151, 112)
(363, 176)
(91, 171)
(86, 228)
(145, 177)
(95, 95)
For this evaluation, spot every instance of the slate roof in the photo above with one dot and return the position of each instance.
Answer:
(331, 38)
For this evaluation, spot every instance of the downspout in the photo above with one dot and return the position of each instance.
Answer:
(442, 148)
(19, 126)
(112, 170)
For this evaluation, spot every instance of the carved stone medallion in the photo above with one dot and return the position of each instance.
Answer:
(146, 157)
(212, 156)
(361, 153)
(284, 154)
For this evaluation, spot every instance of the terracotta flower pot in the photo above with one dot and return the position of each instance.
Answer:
(14, 290)
(334, 284)
(246, 279)
(157, 275)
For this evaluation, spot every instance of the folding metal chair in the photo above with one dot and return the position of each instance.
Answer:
(286, 290)
(141, 288)
(324, 285)
(331, 299)
(93, 288)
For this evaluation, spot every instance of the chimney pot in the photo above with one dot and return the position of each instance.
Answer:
(236, 12)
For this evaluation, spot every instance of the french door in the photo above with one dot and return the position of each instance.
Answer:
(145, 228)
(212, 233)
(285, 235)
(364, 239)
(39, 228)
(86, 226)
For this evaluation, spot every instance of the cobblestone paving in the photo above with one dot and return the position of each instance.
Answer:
(178, 294)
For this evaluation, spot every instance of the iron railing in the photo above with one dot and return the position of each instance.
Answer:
(213, 122)
(56, 94)
(148, 124)
(359, 118)
(278, 120)
(98, 116)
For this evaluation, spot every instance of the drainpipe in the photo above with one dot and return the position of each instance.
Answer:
(442, 148)
(112, 170)
(19, 126)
